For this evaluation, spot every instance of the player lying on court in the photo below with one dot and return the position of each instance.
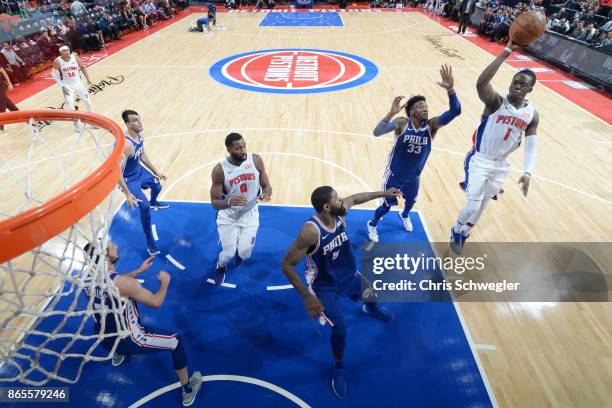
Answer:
(331, 272)
(143, 339)
(135, 177)
(66, 72)
(504, 120)
(237, 183)
(413, 137)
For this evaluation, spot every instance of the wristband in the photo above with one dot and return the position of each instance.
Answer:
(508, 49)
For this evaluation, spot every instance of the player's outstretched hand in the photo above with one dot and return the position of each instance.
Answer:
(525, 180)
(313, 306)
(162, 177)
(396, 106)
(446, 72)
(132, 201)
(392, 192)
(238, 200)
(146, 264)
(163, 277)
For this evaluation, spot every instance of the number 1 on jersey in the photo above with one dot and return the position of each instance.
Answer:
(507, 135)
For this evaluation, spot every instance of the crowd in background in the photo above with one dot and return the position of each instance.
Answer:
(586, 21)
(30, 44)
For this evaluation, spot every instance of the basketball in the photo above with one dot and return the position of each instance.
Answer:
(527, 28)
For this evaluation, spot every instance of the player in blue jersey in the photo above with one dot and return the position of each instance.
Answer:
(201, 23)
(413, 136)
(331, 272)
(143, 339)
(135, 177)
(212, 12)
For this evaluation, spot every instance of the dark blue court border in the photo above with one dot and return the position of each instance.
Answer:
(371, 70)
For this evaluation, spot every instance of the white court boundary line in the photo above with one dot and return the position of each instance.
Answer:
(466, 331)
(225, 377)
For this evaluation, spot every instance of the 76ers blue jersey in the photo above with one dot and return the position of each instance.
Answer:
(410, 152)
(330, 263)
(132, 164)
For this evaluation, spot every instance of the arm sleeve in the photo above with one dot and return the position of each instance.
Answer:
(453, 111)
(530, 154)
(55, 74)
(384, 127)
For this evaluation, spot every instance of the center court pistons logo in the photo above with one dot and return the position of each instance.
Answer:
(293, 71)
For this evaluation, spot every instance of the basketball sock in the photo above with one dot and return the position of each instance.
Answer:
(145, 220)
(186, 387)
(379, 213)
(457, 227)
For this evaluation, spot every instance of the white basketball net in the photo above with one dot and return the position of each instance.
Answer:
(46, 316)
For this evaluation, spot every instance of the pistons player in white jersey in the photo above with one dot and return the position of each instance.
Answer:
(66, 73)
(237, 183)
(504, 120)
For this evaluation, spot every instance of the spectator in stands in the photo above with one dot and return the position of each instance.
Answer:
(590, 18)
(129, 16)
(589, 33)
(61, 28)
(466, 9)
(486, 22)
(578, 31)
(562, 28)
(64, 6)
(77, 8)
(608, 26)
(39, 14)
(89, 41)
(108, 28)
(94, 30)
(5, 102)
(17, 69)
(45, 44)
(607, 42)
(231, 4)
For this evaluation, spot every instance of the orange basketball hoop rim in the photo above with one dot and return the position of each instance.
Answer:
(37, 225)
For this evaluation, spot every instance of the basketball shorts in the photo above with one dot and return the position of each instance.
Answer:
(142, 179)
(238, 230)
(484, 175)
(408, 187)
(359, 288)
(76, 91)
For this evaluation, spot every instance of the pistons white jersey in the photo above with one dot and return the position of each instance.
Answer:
(70, 73)
(500, 133)
(241, 180)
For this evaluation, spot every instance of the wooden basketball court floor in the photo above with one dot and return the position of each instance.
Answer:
(534, 354)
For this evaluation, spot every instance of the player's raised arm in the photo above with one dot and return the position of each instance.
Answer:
(307, 237)
(361, 198)
(530, 153)
(130, 287)
(486, 93)
(264, 181)
(387, 125)
(454, 107)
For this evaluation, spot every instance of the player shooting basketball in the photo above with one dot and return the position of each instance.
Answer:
(504, 120)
